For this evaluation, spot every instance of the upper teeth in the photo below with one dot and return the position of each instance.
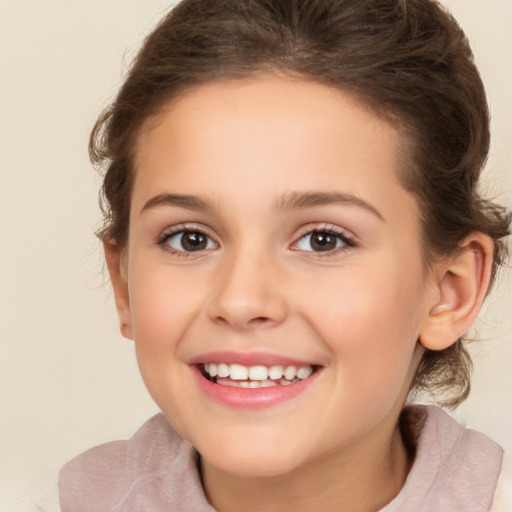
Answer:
(257, 373)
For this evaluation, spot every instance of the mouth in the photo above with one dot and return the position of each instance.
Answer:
(256, 377)
(253, 380)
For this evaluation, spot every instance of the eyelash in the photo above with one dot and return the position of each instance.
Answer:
(167, 235)
(347, 241)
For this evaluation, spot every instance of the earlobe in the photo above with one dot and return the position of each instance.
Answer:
(117, 271)
(461, 286)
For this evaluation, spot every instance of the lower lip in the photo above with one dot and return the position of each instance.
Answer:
(251, 398)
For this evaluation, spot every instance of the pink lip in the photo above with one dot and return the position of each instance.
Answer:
(249, 359)
(256, 398)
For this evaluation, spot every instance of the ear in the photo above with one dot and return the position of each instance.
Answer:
(461, 284)
(117, 269)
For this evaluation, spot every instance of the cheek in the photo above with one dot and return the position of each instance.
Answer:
(162, 305)
(368, 303)
(370, 322)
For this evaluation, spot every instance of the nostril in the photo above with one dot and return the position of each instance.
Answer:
(259, 320)
(256, 320)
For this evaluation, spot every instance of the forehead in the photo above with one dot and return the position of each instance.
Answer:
(275, 132)
(298, 102)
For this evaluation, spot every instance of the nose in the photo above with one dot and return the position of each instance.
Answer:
(249, 293)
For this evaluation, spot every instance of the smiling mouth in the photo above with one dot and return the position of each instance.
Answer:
(252, 377)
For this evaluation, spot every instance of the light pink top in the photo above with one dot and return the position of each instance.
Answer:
(455, 469)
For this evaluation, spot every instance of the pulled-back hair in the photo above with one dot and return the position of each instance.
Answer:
(408, 60)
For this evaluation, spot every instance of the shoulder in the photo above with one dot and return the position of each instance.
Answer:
(150, 470)
(455, 468)
(122, 458)
(503, 496)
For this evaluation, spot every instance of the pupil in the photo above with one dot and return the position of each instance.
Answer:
(193, 241)
(323, 241)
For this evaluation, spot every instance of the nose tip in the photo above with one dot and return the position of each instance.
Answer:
(248, 296)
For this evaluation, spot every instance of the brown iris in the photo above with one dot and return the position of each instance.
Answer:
(193, 241)
(323, 241)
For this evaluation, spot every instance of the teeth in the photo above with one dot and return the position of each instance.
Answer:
(290, 373)
(238, 372)
(257, 376)
(222, 370)
(275, 372)
(303, 372)
(211, 369)
(258, 373)
(250, 384)
(228, 382)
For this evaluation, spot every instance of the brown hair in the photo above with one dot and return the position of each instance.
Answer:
(407, 59)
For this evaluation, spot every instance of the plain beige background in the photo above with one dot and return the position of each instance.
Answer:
(68, 380)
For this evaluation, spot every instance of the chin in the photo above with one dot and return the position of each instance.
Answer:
(253, 460)
(252, 467)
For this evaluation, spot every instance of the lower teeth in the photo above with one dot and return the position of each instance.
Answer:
(253, 384)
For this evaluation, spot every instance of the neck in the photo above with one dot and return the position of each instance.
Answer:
(363, 478)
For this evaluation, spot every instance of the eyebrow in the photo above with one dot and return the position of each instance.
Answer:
(300, 200)
(189, 202)
(288, 201)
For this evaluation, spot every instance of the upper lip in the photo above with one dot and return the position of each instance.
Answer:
(249, 359)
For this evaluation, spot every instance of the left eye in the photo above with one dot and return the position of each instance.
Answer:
(189, 241)
(322, 241)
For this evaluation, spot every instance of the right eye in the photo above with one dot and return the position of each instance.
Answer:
(187, 241)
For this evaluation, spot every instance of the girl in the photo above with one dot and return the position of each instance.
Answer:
(296, 244)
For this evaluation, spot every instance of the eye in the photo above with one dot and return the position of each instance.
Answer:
(323, 241)
(187, 241)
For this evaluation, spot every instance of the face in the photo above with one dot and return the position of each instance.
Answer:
(273, 280)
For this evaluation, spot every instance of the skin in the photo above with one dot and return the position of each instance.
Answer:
(358, 311)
